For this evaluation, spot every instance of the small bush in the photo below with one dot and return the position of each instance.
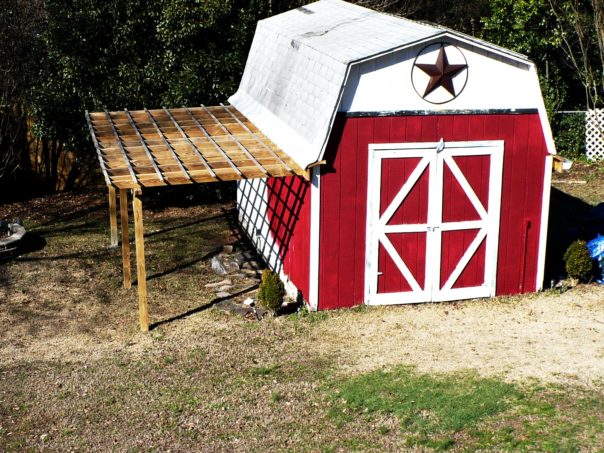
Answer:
(578, 262)
(569, 134)
(271, 291)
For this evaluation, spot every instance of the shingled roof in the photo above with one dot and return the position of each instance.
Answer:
(299, 61)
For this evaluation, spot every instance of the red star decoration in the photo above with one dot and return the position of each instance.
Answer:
(441, 73)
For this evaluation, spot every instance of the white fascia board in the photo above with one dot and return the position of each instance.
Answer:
(547, 188)
(315, 242)
(545, 126)
(485, 45)
(457, 37)
(547, 182)
(297, 147)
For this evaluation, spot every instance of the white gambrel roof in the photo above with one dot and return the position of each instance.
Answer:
(299, 61)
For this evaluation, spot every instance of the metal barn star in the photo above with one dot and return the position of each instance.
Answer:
(441, 73)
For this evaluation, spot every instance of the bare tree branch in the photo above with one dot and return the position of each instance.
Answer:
(580, 31)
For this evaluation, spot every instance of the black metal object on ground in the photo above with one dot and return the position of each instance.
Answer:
(11, 234)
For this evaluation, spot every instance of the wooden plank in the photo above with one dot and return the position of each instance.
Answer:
(141, 276)
(112, 217)
(262, 143)
(121, 146)
(144, 144)
(194, 147)
(168, 145)
(216, 145)
(127, 273)
(98, 149)
(243, 148)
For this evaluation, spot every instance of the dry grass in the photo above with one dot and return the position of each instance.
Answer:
(584, 182)
(552, 337)
(76, 375)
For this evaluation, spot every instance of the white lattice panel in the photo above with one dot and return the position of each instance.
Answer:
(594, 134)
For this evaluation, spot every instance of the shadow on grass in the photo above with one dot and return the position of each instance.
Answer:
(182, 196)
(184, 225)
(568, 221)
(67, 256)
(78, 213)
(184, 265)
(72, 228)
(202, 307)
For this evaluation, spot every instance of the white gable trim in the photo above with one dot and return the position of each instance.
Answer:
(471, 41)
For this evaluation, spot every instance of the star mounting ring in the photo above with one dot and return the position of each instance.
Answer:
(440, 73)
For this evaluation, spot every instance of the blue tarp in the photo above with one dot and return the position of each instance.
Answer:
(596, 251)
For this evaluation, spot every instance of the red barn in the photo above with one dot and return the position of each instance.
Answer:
(429, 152)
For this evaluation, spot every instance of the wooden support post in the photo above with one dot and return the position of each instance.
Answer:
(141, 277)
(112, 217)
(125, 238)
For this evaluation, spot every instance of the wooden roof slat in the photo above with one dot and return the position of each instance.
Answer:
(98, 149)
(121, 146)
(243, 148)
(147, 150)
(207, 165)
(263, 144)
(218, 148)
(167, 144)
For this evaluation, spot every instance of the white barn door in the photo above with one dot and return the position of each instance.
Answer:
(432, 221)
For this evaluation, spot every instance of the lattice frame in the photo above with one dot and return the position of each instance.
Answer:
(594, 135)
(147, 148)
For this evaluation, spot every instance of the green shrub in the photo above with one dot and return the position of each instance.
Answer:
(578, 262)
(569, 134)
(271, 291)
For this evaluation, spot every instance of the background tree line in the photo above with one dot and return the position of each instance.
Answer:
(59, 58)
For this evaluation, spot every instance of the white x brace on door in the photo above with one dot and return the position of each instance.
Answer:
(432, 221)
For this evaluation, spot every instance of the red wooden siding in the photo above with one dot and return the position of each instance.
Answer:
(458, 207)
(344, 197)
(289, 220)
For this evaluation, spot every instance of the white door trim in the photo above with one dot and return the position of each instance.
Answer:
(315, 235)
(487, 226)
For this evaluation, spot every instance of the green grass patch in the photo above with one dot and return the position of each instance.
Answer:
(431, 408)
(463, 411)
(276, 397)
(308, 317)
(553, 418)
(261, 371)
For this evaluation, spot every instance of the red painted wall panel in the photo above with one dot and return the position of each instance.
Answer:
(289, 220)
(414, 209)
(344, 195)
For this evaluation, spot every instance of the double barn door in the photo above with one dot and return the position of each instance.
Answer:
(432, 221)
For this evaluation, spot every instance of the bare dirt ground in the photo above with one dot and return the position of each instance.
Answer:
(549, 337)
